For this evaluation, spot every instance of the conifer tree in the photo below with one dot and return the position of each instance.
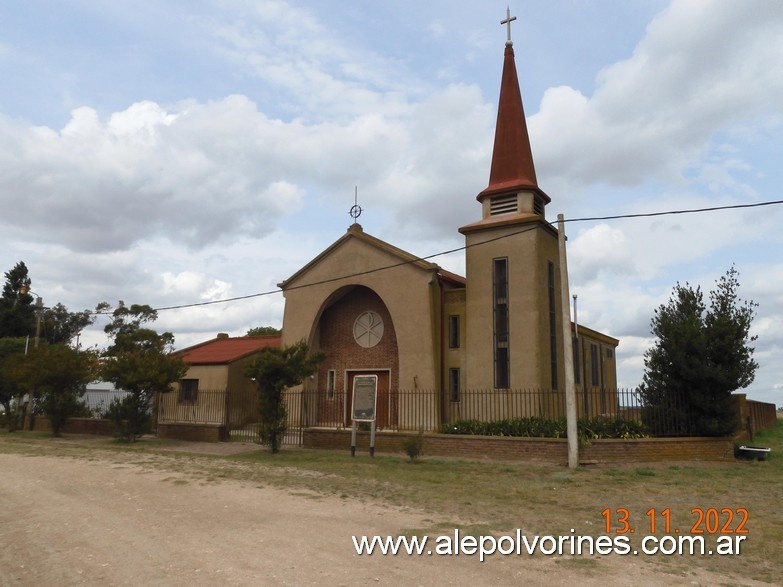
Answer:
(701, 355)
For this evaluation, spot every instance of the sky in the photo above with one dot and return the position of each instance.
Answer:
(189, 151)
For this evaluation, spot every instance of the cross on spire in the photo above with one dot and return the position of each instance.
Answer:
(507, 21)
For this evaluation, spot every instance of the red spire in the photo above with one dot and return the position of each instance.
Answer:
(512, 160)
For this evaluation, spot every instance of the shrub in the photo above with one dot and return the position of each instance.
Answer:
(537, 427)
(413, 445)
(130, 415)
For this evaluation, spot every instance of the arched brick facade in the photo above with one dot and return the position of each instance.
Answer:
(345, 356)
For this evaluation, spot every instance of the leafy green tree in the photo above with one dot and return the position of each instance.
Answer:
(10, 391)
(17, 313)
(56, 378)
(62, 326)
(275, 370)
(701, 355)
(17, 320)
(139, 362)
(264, 331)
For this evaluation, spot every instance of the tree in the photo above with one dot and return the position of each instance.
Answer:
(17, 313)
(56, 378)
(138, 361)
(728, 335)
(275, 370)
(701, 355)
(10, 391)
(61, 326)
(264, 331)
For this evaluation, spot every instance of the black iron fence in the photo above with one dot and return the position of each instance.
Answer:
(428, 410)
(238, 412)
(432, 410)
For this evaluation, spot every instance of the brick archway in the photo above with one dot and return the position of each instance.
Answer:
(348, 352)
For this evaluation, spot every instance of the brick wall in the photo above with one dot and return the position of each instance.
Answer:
(193, 432)
(549, 450)
(342, 352)
(76, 426)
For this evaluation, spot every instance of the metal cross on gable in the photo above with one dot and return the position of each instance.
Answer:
(508, 20)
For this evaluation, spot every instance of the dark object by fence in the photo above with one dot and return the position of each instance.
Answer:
(757, 453)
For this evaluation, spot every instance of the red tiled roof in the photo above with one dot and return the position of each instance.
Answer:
(453, 277)
(226, 350)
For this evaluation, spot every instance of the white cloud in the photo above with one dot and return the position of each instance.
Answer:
(174, 191)
(703, 66)
(600, 251)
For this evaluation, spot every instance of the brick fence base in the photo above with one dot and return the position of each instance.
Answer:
(500, 448)
(549, 450)
(76, 426)
(195, 432)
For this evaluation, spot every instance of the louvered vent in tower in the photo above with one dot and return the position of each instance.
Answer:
(503, 205)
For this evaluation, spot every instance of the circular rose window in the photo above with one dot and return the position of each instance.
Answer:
(368, 329)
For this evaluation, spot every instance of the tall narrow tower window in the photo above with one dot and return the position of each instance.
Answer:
(552, 323)
(500, 298)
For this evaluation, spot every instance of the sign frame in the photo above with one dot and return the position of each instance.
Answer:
(367, 408)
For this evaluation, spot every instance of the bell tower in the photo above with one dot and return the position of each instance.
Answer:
(512, 266)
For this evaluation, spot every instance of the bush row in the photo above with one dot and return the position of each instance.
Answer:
(592, 429)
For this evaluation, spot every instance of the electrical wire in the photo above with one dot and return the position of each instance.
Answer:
(463, 248)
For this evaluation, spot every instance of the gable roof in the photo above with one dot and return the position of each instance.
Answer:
(355, 231)
(224, 349)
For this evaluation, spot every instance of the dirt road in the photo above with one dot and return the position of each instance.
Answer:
(66, 521)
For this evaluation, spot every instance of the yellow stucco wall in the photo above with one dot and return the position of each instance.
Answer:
(529, 246)
(407, 290)
(209, 376)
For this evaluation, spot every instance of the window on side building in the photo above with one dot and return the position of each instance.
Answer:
(188, 391)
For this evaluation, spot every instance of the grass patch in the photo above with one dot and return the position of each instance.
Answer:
(493, 498)
(646, 472)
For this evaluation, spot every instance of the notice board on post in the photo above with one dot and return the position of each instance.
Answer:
(365, 398)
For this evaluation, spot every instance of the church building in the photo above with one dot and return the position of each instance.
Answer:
(442, 341)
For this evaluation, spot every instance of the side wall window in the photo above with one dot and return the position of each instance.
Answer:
(454, 385)
(577, 360)
(595, 377)
(330, 379)
(454, 332)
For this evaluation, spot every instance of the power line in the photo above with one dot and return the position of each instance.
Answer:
(673, 212)
(343, 277)
(418, 259)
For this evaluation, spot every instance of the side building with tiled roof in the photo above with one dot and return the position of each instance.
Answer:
(214, 391)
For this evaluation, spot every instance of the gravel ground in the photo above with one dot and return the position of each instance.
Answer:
(106, 520)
